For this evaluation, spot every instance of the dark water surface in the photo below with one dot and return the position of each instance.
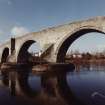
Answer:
(88, 86)
(83, 86)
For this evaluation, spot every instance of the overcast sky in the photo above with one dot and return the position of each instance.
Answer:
(22, 16)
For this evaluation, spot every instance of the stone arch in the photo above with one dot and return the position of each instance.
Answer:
(5, 55)
(4, 59)
(23, 54)
(70, 38)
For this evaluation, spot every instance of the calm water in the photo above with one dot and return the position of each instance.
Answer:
(88, 86)
(83, 86)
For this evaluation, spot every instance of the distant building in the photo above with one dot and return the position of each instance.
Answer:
(77, 56)
(36, 54)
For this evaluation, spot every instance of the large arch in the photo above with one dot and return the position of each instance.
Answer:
(69, 39)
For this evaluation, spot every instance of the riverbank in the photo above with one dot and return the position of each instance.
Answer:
(86, 61)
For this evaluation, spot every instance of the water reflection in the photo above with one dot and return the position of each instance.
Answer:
(5, 77)
(87, 84)
(34, 82)
(42, 88)
(22, 78)
(98, 66)
(83, 86)
(12, 84)
(66, 91)
(54, 87)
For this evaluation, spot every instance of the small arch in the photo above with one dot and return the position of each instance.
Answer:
(5, 55)
(24, 54)
(65, 44)
(4, 59)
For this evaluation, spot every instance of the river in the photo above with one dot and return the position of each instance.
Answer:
(82, 86)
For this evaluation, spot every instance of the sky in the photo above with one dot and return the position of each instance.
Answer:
(91, 43)
(18, 17)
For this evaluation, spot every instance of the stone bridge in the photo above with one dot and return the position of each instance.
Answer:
(54, 41)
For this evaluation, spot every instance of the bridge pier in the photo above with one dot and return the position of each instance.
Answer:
(12, 56)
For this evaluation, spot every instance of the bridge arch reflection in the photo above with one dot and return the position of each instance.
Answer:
(22, 77)
(53, 86)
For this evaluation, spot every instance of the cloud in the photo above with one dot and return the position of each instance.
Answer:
(19, 30)
(9, 2)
